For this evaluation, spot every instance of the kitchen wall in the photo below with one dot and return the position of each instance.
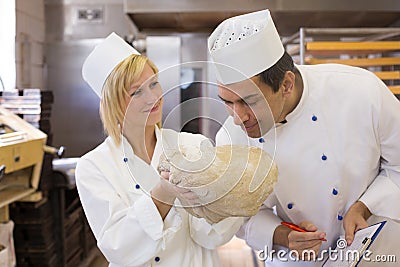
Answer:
(73, 29)
(30, 41)
(86, 19)
(194, 48)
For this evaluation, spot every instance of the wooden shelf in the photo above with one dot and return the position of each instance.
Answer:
(12, 194)
(358, 62)
(352, 47)
(388, 75)
(395, 89)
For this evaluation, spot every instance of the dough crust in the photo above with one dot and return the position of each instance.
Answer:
(230, 180)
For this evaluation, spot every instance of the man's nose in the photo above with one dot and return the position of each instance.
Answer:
(240, 114)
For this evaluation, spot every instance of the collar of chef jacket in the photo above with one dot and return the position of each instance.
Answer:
(142, 173)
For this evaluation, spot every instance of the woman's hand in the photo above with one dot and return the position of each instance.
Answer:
(355, 219)
(187, 197)
(167, 192)
(164, 195)
(164, 191)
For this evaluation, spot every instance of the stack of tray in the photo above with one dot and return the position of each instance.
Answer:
(33, 105)
(35, 237)
(73, 227)
(77, 240)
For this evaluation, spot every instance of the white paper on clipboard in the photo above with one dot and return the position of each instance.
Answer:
(351, 255)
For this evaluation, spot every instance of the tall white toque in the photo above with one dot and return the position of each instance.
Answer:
(244, 46)
(103, 59)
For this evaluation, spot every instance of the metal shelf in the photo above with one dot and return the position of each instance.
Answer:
(375, 49)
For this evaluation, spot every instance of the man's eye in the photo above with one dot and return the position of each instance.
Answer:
(251, 103)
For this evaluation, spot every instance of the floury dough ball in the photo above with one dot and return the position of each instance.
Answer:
(230, 180)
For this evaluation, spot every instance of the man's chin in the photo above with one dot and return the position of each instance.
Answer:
(252, 133)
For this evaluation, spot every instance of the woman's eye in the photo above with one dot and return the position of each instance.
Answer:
(153, 84)
(137, 92)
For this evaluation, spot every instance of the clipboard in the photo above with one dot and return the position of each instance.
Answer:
(363, 239)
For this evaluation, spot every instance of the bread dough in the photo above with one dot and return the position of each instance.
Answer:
(230, 180)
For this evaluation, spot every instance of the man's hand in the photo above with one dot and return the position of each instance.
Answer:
(309, 242)
(355, 219)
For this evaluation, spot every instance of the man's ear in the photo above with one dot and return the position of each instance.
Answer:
(288, 83)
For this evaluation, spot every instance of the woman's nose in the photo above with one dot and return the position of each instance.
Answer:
(152, 96)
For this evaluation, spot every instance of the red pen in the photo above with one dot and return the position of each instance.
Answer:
(297, 228)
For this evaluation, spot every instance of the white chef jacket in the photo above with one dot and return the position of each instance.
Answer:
(113, 186)
(339, 145)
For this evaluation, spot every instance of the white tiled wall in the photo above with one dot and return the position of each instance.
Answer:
(30, 39)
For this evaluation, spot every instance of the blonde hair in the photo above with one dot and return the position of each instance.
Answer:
(115, 91)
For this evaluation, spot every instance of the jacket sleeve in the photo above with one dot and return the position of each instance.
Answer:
(127, 235)
(258, 231)
(383, 194)
(211, 236)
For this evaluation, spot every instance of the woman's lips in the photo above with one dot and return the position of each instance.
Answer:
(154, 109)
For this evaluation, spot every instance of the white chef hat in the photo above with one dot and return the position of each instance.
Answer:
(244, 46)
(103, 59)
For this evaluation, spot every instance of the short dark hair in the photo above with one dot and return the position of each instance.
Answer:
(274, 75)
